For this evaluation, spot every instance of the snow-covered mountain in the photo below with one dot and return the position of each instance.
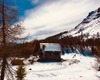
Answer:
(89, 26)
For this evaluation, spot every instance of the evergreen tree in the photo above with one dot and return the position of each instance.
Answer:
(20, 72)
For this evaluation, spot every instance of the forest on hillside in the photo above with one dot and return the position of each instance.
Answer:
(33, 47)
(78, 42)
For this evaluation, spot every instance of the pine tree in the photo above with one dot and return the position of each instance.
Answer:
(20, 72)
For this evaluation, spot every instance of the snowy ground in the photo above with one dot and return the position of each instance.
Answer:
(82, 70)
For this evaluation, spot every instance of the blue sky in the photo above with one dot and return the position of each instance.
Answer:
(24, 5)
(43, 18)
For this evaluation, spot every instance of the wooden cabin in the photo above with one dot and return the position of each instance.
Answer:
(50, 52)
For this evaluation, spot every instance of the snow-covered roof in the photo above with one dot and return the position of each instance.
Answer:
(50, 46)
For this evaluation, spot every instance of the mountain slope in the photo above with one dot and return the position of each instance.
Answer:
(90, 27)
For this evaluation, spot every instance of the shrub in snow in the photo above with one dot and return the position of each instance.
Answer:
(98, 61)
(97, 64)
(31, 61)
(20, 72)
(30, 69)
(17, 62)
(73, 61)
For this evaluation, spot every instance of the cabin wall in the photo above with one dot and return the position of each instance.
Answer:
(48, 56)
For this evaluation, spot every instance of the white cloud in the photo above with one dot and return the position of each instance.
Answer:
(56, 16)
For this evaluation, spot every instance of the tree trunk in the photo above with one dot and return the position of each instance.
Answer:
(4, 57)
(3, 67)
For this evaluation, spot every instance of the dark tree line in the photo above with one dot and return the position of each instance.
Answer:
(78, 42)
(26, 49)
